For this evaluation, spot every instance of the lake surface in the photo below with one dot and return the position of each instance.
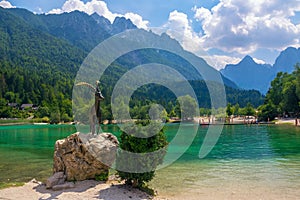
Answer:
(245, 156)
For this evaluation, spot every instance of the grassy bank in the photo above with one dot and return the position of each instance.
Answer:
(4, 122)
(11, 184)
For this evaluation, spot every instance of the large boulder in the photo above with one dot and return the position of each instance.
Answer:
(85, 156)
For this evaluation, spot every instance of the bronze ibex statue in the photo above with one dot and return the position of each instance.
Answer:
(95, 111)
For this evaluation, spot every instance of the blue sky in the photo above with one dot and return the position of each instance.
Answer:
(226, 29)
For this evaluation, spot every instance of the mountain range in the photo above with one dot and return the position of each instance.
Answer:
(41, 54)
(80, 29)
(248, 74)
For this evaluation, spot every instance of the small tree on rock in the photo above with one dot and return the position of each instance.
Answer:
(140, 146)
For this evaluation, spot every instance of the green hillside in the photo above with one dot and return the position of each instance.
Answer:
(35, 67)
(40, 55)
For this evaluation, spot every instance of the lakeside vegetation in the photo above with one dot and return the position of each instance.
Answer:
(282, 100)
(283, 97)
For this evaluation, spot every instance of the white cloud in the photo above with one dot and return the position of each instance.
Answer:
(219, 61)
(179, 27)
(201, 13)
(6, 4)
(99, 7)
(259, 61)
(94, 6)
(38, 10)
(243, 26)
(137, 20)
(55, 11)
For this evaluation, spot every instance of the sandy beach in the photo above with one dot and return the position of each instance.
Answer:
(83, 190)
(290, 121)
(116, 191)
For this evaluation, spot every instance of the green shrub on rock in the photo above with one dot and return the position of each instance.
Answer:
(101, 177)
(139, 156)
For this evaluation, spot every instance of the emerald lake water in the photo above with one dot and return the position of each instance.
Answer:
(254, 155)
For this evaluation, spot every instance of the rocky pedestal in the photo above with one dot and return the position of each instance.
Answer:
(84, 156)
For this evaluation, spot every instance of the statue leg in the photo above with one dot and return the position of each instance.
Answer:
(92, 126)
(93, 121)
(98, 115)
(98, 129)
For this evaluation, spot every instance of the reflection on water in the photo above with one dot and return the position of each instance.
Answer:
(244, 155)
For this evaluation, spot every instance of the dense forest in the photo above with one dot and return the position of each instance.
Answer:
(40, 56)
(283, 97)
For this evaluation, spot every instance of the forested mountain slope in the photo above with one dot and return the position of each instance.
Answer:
(40, 56)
